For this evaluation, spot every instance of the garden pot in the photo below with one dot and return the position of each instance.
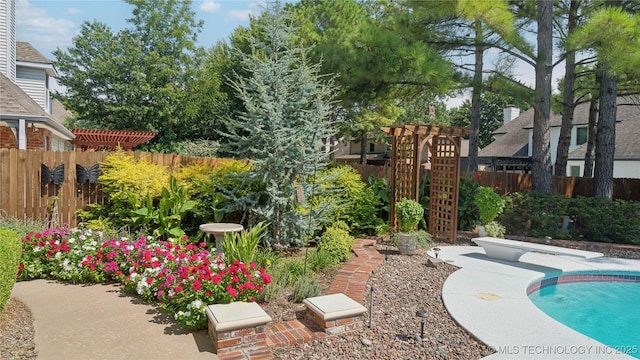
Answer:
(407, 244)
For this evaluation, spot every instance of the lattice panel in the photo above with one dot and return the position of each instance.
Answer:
(445, 172)
(404, 168)
(404, 160)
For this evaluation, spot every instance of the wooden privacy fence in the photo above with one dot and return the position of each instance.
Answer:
(503, 182)
(24, 194)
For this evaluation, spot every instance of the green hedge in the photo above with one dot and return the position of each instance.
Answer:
(593, 219)
(10, 254)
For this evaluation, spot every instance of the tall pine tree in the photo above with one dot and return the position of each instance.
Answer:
(287, 106)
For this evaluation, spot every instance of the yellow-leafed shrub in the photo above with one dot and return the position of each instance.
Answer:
(121, 172)
(191, 175)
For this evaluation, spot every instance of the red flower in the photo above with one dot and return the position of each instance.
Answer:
(197, 285)
(216, 279)
(232, 291)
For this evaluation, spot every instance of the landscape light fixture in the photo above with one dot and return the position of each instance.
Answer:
(422, 314)
(436, 251)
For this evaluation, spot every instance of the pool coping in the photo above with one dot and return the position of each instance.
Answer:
(488, 297)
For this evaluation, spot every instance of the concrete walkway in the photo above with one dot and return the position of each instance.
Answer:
(87, 322)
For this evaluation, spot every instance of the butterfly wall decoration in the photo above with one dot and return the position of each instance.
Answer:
(56, 175)
(90, 174)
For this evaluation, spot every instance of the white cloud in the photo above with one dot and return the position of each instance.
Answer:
(254, 9)
(209, 6)
(44, 32)
(73, 11)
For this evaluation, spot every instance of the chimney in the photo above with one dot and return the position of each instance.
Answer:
(510, 112)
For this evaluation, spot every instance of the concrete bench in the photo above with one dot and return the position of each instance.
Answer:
(238, 330)
(335, 313)
(512, 250)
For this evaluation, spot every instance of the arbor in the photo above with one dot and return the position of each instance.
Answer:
(138, 78)
(287, 106)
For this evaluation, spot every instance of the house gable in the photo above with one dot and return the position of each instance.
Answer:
(32, 74)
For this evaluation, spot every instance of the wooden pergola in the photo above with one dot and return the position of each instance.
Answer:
(443, 143)
(109, 140)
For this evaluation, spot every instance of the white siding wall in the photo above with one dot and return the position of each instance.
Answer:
(8, 38)
(34, 83)
(621, 168)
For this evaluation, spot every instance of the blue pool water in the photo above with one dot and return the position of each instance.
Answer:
(608, 312)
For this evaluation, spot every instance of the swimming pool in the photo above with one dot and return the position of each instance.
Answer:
(601, 305)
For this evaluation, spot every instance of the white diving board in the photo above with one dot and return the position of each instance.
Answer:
(512, 250)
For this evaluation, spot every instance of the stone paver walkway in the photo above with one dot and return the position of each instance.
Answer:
(351, 280)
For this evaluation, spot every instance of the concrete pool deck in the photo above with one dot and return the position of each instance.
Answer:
(488, 298)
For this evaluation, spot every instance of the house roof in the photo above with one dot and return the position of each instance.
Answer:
(14, 101)
(15, 104)
(28, 56)
(627, 135)
(26, 52)
(512, 138)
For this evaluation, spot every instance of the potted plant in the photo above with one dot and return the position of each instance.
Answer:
(409, 213)
(489, 205)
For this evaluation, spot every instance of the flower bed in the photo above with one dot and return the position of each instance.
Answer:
(184, 277)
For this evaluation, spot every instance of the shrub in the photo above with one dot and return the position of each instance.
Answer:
(382, 192)
(494, 229)
(409, 213)
(489, 204)
(288, 271)
(200, 147)
(121, 173)
(337, 243)
(242, 246)
(22, 227)
(467, 209)
(539, 215)
(10, 253)
(319, 259)
(126, 183)
(352, 201)
(305, 288)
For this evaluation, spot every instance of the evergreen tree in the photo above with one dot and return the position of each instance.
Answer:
(287, 107)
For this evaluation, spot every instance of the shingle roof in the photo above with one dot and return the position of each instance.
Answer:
(627, 135)
(513, 138)
(26, 52)
(58, 112)
(14, 101)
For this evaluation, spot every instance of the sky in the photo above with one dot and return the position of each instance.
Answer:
(49, 24)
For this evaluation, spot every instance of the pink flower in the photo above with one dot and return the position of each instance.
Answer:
(232, 291)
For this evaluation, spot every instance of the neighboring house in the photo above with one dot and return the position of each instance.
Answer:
(513, 145)
(380, 153)
(29, 118)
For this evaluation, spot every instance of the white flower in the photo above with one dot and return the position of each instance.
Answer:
(195, 304)
(66, 265)
(37, 248)
(58, 255)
